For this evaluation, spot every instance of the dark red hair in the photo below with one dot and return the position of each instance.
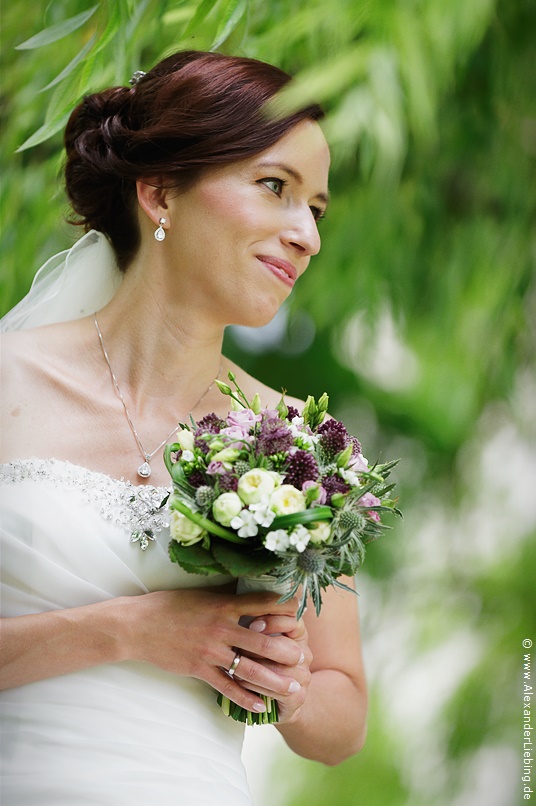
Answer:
(192, 110)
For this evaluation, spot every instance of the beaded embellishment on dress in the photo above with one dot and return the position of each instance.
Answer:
(136, 507)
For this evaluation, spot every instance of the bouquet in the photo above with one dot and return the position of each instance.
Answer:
(272, 491)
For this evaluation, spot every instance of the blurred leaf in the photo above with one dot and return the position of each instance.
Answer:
(55, 32)
(72, 64)
(231, 16)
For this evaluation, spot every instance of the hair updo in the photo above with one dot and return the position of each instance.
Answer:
(192, 110)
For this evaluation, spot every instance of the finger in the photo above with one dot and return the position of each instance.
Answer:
(231, 689)
(257, 604)
(277, 648)
(262, 679)
(277, 625)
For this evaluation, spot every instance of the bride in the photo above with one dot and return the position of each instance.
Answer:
(200, 211)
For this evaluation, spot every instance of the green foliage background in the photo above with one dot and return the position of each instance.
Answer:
(417, 317)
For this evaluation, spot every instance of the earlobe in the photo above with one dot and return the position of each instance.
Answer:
(152, 200)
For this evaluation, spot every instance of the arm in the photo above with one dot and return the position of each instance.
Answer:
(325, 720)
(330, 726)
(190, 632)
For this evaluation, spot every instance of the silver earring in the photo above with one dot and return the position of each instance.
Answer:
(160, 233)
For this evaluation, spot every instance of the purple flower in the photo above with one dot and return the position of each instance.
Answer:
(356, 446)
(302, 467)
(196, 479)
(333, 438)
(210, 424)
(228, 483)
(292, 412)
(332, 485)
(215, 469)
(275, 436)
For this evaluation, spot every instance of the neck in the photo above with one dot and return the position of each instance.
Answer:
(162, 350)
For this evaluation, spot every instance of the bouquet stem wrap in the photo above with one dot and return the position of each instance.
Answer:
(253, 585)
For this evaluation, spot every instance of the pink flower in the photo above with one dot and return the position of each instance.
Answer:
(239, 435)
(321, 492)
(369, 500)
(246, 419)
(358, 463)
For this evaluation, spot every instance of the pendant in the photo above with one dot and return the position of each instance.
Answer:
(144, 470)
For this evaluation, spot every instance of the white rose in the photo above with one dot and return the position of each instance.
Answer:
(185, 439)
(287, 499)
(320, 532)
(255, 485)
(225, 507)
(183, 530)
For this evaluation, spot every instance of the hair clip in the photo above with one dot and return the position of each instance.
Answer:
(136, 77)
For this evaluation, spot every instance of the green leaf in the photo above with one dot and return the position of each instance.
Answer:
(306, 516)
(72, 64)
(112, 27)
(194, 559)
(202, 11)
(243, 563)
(55, 32)
(47, 130)
(229, 20)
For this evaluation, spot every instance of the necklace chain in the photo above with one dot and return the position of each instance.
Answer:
(144, 470)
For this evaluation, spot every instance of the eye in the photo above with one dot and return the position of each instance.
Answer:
(274, 184)
(318, 213)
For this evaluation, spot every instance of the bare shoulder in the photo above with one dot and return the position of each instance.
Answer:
(28, 360)
(269, 397)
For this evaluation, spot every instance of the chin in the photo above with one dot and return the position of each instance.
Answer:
(258, 317)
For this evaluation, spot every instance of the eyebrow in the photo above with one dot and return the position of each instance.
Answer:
(324, 197)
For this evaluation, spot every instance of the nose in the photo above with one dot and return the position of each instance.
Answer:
(301, 233)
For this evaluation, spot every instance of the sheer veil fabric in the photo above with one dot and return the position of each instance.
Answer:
(123, 734)
(70, 285)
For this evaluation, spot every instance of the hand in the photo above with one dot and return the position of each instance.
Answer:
(195, 632)
(288, 684)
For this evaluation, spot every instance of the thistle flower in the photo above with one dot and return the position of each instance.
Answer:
(302, 467)
(205, 496)
(241, 467)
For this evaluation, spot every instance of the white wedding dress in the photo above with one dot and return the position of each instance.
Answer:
(123, 734)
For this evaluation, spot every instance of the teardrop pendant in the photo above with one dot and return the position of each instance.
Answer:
(144, 470)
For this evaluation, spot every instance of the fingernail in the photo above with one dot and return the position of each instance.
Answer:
(294, 687)
(259, 707)
(301, 660)
(257, 626)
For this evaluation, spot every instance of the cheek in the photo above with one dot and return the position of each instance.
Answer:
(231, 216)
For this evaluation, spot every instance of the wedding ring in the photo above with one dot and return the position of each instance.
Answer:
(232, 668)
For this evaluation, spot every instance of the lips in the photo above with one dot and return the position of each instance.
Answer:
(282, 269)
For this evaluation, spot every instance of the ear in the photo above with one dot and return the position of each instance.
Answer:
(152, 200)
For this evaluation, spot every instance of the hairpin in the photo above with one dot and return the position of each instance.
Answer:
(136, 77)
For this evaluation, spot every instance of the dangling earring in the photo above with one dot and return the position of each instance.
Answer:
(160, 233)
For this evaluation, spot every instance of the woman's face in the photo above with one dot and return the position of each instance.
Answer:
(242, 235)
